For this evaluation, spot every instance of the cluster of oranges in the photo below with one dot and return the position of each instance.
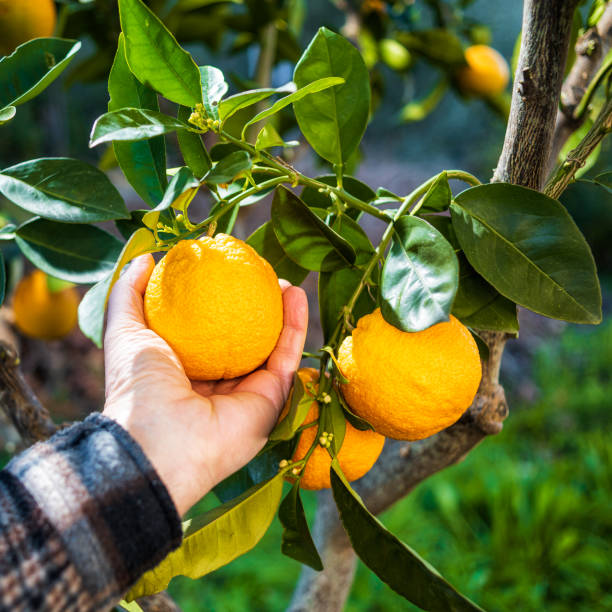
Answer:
(225, 322)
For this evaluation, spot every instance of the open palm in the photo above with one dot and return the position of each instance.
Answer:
(194, 433)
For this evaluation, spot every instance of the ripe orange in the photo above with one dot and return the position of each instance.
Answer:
(22, 20)
(218, 304)
(359, 451)
(409, 385)
(41, 313)
(486, 73)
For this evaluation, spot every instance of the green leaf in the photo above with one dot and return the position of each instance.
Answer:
(478, 305)
(268, 137)
(214, 88)
(233, 104)
(420, 276)
(63, 189)
(154, 56)
(264, 241)
(143, 163)
(131, 606)
(133, 124)
(297, 542)
(229, 168)
(390, 559)
(333, 121)
(527, 246)
(127, 227)
(300, 403)
(33, 67)
(91, 311)
(353, 233)
(76, 253)
(217, 537)
(445, 226)
(2, 279)
(605, 180)
(183, 184)
(438, 196)
(309, 89)
(356, 421)
(192, 148)
(6, 114)
(305, 237)
(335, 290)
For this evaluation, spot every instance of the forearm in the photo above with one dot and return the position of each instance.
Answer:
(82, 516)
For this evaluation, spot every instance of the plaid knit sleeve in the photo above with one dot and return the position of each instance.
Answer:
(82, 516)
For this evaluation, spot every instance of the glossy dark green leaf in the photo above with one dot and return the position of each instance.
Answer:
(333, 121)
(527, 246)
(335, 290)
(76, 253)
(233, 104)
(264, 241)
(358, 189)
(214, 88)
(420, 276)
(445, 226)
(308, 89)
(438, 196)
(217, 537)
(154, 56)
(192, 148)
(299, 405)
(91, 311)
(605, 180)
(297, 542)
(133, 124)
(390, 559)
(33, 67)
(143, 163)
(356, 421)
(354, 234)
(6, 114)
(478, 305)
(62, 189)
(229, 168)
(305, 237)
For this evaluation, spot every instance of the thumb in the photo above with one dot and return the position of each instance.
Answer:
(125, 305)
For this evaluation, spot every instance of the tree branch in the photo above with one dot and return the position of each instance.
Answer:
(31, 419)
(546, 34)
(591, 48)
(535, 96)
(578, 156)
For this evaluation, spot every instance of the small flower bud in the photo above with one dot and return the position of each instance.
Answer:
(283, 464)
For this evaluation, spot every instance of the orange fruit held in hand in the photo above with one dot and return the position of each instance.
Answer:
(486, 73)
(41, 313)
(22, 20)
(218, 304)
(359, 451)
(409, 385)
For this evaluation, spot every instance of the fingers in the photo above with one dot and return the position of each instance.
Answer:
(125, 306)
(284, 284)
(287, 354)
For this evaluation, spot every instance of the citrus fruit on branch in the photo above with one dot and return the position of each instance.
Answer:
(359, 451)
(218, 304)
(486, 73)
(22, 20)
(42, 313)
(409, 385)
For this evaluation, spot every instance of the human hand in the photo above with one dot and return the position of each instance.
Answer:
(194, 433)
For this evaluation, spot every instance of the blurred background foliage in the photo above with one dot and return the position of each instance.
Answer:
(525, 521)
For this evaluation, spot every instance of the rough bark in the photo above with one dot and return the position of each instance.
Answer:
(523, 160)
(535, 96)
(591, 48)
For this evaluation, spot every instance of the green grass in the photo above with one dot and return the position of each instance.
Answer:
(524, 523)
